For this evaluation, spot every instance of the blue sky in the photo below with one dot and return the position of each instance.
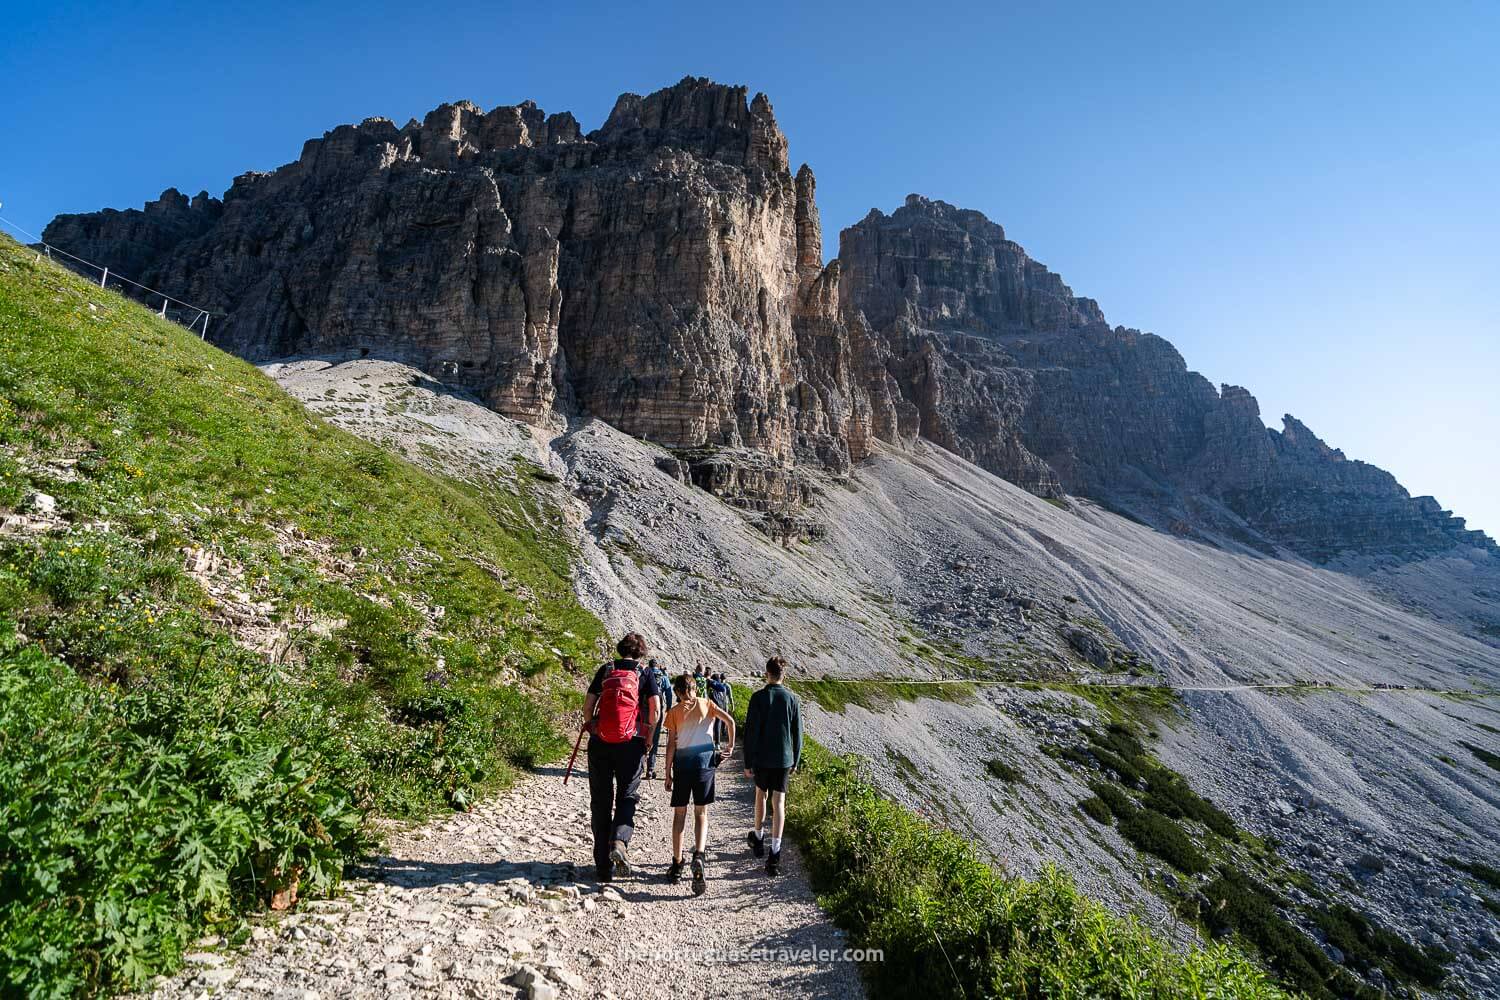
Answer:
(1302, 196)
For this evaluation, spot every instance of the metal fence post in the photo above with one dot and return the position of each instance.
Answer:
(104, 277)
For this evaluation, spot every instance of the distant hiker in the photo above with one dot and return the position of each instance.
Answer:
(700, 680)
(621, 708)
(718, 693)
(773, 749)
(663, 687)
(691, 759)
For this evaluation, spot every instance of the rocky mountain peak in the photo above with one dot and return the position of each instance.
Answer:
(707, 118)
(665, 273)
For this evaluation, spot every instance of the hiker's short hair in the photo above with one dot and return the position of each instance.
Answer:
(775, 668)
(632, 647)
(682, 683)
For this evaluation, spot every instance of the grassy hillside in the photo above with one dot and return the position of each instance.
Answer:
(229, 635)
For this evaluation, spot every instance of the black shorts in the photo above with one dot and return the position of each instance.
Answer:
(773, 779)
(697, 783)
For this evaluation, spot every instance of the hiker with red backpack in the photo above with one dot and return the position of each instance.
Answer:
(620, 710)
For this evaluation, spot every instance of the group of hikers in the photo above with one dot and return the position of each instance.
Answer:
(630, 702)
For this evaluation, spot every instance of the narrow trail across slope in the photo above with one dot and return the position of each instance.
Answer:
(1221, 688)
(463, 907)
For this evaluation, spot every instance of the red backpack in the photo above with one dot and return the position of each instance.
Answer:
(619, 704)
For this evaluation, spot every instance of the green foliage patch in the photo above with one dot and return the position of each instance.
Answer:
(1151, 832)
(951, 926)
(1485, 757)
(1004, 771)
(1488, 874)
(1095, 809)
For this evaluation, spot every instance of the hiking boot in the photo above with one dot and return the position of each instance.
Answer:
(620, 858)
(757, 844)
(674, 871)
(699, 885)
(603, 874)
(773, 863)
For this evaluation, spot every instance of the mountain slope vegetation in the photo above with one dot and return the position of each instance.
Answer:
(230, 636)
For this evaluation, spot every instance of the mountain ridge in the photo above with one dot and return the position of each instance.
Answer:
(664, 272)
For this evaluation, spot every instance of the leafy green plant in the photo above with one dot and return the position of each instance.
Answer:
(130, 818)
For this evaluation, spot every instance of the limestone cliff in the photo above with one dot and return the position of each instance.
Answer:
(1008, 368)
(665, 273)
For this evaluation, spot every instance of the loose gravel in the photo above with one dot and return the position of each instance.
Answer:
(500, 903)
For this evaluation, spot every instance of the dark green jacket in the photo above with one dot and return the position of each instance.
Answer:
(773, 728)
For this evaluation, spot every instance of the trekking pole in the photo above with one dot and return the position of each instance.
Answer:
(576, 744)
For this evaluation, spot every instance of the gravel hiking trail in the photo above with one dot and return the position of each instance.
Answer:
(500, 902)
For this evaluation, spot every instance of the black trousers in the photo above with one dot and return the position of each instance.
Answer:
(614, 789)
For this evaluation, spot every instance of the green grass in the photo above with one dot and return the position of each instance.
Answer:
(834, 694)
(156, 776)
(949, 925)
(1142, 704)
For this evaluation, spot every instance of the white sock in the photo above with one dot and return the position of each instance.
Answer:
(775, 844)
(757, 835)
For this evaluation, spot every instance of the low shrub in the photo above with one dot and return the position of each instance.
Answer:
(1240, 904)
(1485, 757)
(1076, 755)
(951, 926)
(1127, 771)
(1094, 808)
(1367, 946)
(1487, 874)
(1117, 801)
(1169, 795)
(1005, 772)
(1151, 832)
